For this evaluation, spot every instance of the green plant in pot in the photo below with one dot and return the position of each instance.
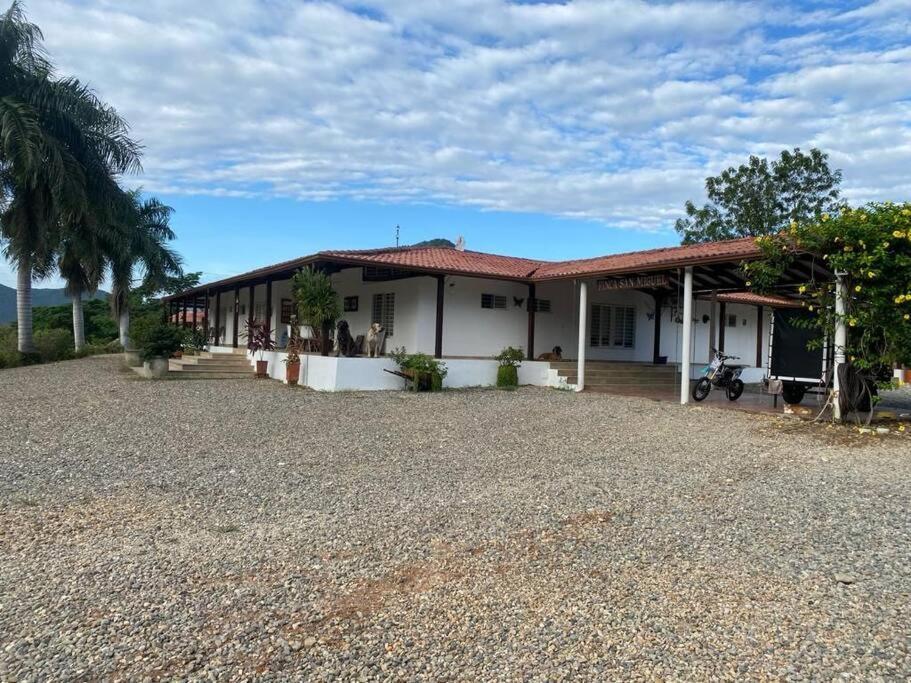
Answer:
(259, 340)
(318, 304)
(509, 359)
(423, 372)
(293, 360)
(157, 343)
(194, 342)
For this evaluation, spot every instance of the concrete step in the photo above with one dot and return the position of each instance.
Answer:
(238, 361)
(622, 383)
(191, 366)
(172, 374)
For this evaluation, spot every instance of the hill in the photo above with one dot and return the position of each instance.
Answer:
(40, 297)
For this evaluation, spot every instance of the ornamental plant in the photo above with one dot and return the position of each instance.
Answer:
(871, 247)
(425, 372)
(509, 359)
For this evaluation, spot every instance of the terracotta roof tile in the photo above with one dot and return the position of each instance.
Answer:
(652, 259)
(442, 259)
(758, 300)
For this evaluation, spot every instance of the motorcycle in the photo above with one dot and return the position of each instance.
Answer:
(720, 375)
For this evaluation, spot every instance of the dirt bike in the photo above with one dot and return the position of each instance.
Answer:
(722, 376)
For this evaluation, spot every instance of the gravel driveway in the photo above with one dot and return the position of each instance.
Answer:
(241, 529)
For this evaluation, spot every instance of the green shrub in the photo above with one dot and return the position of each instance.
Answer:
(54, 345)
(426, 372)
(158, 341)
(510, 357)
(507, 377)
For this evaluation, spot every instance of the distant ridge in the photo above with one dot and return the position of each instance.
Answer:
(40, 297)
(438, 242)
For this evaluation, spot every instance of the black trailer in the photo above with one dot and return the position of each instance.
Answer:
(798, 367)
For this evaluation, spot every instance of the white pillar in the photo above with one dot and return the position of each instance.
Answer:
(841, 341)
(125, 329)
(78, 322)
(583, 334)
(687, 350)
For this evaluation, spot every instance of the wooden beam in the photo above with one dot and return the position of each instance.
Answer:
(269, 303)
(656, 349)
(441, 293)
(759, 317)
(195, 314)
(251, 289)
(723, 322)
(205, 315)
(218, 318)
(183, 306)
(532, 309)
(236, 312)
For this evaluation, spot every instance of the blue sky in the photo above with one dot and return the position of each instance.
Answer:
(549, 130)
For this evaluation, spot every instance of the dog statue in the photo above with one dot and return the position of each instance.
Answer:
(344, 343)
(375, 340)
(556, 354)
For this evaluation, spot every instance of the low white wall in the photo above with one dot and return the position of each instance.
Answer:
(367, 374)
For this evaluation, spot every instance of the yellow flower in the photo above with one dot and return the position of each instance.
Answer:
(885, 245)
(852, 322)
(907, 316)
(848, 248)
(897, 233)
(857, 288)
(749, 283)
(906, 212)
(811, 308)
(825, 217)
(871, 274)
(802, 289)
(900, 299)
(901, 428)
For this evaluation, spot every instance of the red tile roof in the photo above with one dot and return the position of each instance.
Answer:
(653, 259)
(441, 259)
(474, 263)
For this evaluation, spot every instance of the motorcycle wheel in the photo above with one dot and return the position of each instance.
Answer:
(701, 389)
(734, 389)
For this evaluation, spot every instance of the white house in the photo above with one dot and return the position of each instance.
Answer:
(657, 307)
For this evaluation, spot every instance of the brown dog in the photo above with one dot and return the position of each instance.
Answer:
(556, 354)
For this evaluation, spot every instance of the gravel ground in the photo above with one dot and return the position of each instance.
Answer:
(243, 530)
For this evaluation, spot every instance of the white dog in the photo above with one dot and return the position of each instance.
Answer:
(374, 340)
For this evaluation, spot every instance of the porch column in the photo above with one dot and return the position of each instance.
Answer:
(583, 333)
(687, 350)
(171, 313)
(236, 312)
(205, 314)
(183, 312)
(712, 326)
(656, 352)
(841, 341)
(760, 314)
(269, 304)
(441, 293)
(532, 309)
(195, 314)
(218, 318)
(722, 324)
(250, 301)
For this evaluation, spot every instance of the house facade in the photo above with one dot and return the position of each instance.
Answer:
(467, 306)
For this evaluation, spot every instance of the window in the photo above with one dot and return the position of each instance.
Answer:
(384, 311)
(732, 320)
(613, 326)
(493, 301)
(351, 304)
(260, 311)
(542, 305)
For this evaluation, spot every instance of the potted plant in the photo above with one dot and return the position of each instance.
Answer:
(509, 359)
(293, 360)
(259, 340)
(318, 304)
(423, 372)
(156, 344)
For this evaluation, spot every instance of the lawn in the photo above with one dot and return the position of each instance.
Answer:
(239, 528)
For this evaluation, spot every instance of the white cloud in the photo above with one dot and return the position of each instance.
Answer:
(610, 110)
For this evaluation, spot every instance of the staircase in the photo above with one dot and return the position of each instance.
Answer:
(212, 366)
(610, 376)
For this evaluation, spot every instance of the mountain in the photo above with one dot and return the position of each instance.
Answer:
(40, 297)
(438, 242)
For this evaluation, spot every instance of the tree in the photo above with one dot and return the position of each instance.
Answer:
(871, 247)
(144, 254)
(762, 198)
(317, 303)
(58, 143)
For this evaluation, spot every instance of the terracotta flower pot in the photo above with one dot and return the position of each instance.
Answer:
(292, 372)
(262, 368)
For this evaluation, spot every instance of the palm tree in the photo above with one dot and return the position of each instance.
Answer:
(317, 303)
(59, 144)
(143, 253)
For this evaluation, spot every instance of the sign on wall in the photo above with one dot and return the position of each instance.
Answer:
(633, 282)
